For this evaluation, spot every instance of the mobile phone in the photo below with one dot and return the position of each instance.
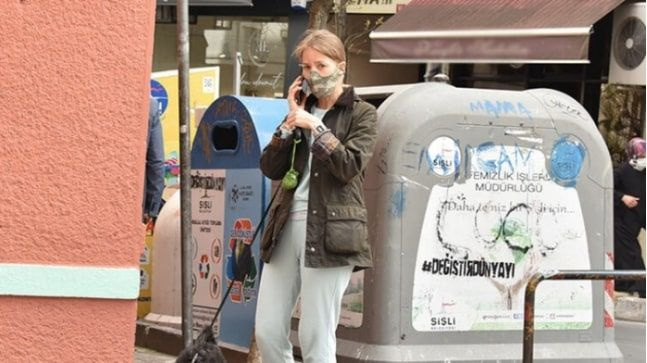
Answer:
(304, 92)
(305, 88)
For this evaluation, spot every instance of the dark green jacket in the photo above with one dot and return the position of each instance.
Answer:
(336, 225)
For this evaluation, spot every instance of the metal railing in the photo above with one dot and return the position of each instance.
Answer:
(529, 300)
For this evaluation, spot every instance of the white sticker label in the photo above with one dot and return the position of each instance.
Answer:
(444, 156)
(208, 85)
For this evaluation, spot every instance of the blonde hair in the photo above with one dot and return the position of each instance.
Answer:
(324, 42)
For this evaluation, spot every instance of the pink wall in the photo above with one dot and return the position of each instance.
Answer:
(73, 119)
(66, 330)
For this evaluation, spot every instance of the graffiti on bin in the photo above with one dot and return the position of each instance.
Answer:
(411, 148)
(497, 109)
(398, 201)
(226, 107)
(563, 106)
(229, 109)
(248, 134)
(490, 157)
(382, 164)
(494, 158)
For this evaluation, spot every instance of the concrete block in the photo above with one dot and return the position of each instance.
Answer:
(630, 308)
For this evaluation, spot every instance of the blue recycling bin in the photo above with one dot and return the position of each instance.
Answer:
(229, 194)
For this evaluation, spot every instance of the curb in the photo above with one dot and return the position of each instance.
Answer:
(169, 341)
(630, 308)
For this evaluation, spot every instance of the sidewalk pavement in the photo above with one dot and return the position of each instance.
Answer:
(143, 355)
(629, 308)
(157, 343)
(155, 338)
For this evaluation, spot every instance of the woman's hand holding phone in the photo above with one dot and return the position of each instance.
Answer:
(298, 117)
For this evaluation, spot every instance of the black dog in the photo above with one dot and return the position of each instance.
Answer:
(205, 349)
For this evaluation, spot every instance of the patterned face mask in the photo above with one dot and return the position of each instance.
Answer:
(324, 86)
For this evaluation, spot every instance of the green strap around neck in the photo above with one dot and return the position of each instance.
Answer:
(295, 141)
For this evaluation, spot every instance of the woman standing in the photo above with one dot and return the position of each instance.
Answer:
(629, 215)
(316, 234)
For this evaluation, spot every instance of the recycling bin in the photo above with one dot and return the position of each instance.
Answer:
(228, 195)
(469, 193)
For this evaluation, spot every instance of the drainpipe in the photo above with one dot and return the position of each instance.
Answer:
(182, 11)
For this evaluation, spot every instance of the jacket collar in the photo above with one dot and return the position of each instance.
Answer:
(346, 98)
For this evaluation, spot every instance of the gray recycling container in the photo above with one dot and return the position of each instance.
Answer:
(228, 195)
(470, 192)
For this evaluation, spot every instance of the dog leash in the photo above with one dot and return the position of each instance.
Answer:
(243, 256)
(290, 181)
(207, 332)
(246, 251)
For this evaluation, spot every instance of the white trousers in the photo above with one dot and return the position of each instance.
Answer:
(321, 293)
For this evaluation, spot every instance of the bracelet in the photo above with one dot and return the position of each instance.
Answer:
(320, 129)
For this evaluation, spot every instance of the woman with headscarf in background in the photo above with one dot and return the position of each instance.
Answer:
(629, 215)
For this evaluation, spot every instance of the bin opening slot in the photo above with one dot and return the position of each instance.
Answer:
(225, 135)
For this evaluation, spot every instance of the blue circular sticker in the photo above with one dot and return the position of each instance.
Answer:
(566, 161)
(159, 93)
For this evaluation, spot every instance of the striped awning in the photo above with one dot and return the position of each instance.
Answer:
(489, 31)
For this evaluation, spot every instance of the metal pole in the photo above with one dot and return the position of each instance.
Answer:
(529, 315)
(182, 10)
(238, 62)
(529, 300)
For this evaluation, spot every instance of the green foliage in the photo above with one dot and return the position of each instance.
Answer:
(622, 116)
